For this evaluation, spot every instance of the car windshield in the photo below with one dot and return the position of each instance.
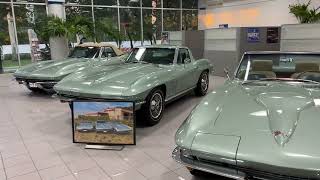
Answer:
(84, 52)
(152, 55)
(280, 67)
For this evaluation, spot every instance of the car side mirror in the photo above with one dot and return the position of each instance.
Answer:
(226, 71)
(187, 60)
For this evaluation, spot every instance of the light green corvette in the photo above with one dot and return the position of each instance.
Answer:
(151, 76)
(261, 124)
(45, 74)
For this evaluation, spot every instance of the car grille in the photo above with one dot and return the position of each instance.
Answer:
(252, 173)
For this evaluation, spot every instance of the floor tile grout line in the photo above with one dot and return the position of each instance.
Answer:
(131, 165)
(156, 161)
(4, 168)
(10, 115)
(63, 162)
(98, 165)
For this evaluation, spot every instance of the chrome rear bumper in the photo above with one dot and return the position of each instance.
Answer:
(209, 168)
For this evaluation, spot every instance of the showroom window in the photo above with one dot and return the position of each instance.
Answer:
(150, 3)
(129, 23)
(130, 26)
(130, 3)
(105, 2)
(26, 16)
(172, 20)
(171, 4)
(189, 20)
(190, 4)
(151, 25)
(106, 23)
(79, 2)
(78, 11)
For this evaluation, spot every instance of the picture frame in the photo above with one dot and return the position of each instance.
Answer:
(87, 132)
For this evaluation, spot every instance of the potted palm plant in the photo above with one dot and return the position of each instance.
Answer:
(304, 13)
(59, 33)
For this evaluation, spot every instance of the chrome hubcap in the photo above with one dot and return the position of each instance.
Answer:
(156, 105)
(204, 82)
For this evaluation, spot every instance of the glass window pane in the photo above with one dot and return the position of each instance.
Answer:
(151, 25)
(131, 3)
(171, 20)
(105, 2)
(29, 45)
(78, 11)
(190, 4)
(130, 27)
(8, 52)
(72, 11)
(190, 20)
(151, 3)
(106, 20)
(171, 3)
(79, 2)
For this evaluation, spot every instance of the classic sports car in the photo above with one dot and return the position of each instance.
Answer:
(85, 127)
(261, 124)
(45, 74)
(103, 126)
(151, 76)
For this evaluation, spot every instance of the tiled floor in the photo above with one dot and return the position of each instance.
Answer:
(36, 142)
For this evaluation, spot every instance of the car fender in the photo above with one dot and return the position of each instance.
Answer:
(206, 112)
(143, 86)
(71, 69)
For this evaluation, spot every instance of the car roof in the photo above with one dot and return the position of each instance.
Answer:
(282, 52)
(102, 44)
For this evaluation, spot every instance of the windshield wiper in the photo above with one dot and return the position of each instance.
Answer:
(280, 79)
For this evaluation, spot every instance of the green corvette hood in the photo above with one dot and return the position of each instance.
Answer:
(255, 124)
(106, 81)
(50, 69)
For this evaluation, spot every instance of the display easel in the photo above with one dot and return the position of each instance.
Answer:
(104, 147)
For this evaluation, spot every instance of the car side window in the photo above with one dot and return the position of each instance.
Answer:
(106, 51)
(183, 55)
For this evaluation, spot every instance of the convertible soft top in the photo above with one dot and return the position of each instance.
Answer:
(102, 44)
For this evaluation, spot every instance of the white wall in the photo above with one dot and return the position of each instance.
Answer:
(246, 13)
(300, 37)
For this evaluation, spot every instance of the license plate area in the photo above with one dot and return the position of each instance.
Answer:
(33, 85)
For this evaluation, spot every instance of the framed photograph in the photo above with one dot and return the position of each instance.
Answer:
(253, 35)
(103, 122)
(272, 35)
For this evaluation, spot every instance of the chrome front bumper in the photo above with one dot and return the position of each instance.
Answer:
(66, 99)
(209, 168)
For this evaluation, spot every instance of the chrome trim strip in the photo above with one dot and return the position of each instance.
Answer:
(207, 168)
(179, 94)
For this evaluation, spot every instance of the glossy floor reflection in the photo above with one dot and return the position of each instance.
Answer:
(36, 142)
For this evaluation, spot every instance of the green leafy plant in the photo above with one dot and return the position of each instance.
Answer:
(304, 13)
(51, 26)
(79, 25)
(105, 29)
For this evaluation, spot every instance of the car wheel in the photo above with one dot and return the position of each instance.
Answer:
(203, 84)
(35, 90)
(152, 110)
(196, 172)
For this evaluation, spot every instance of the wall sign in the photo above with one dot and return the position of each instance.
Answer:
(165, 38)
(272, 35)
(253, 35)
(223, 25)
(103, 122)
